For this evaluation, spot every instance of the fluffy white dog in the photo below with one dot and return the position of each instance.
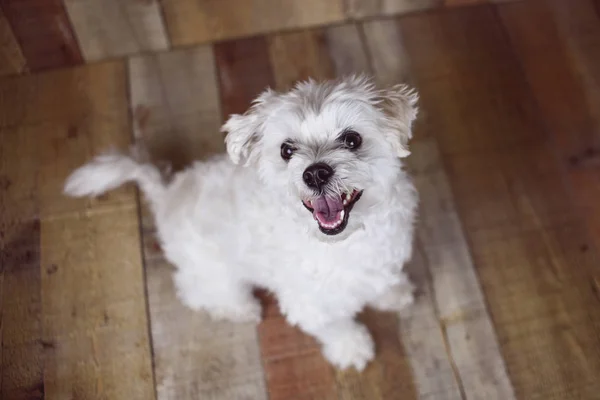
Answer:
(312, 204)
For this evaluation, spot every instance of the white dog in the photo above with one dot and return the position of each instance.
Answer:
(312, 204)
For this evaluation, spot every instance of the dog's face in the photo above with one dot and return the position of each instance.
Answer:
(329, 149)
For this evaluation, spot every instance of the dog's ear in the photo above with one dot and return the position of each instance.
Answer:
(245, 131)
(399, 104)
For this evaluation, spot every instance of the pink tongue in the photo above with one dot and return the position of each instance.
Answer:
(327, 208)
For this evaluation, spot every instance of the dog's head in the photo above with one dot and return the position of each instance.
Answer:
(332, 148)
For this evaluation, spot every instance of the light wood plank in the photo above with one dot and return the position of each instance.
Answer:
(11, 58)
(44, 32)
(373, 8)
(346, 50)
(112, 28)
(177, 113)
(524, 236)
(85, 331)
(193, 21)
(298, 56)
(175, 104)
(456, 299)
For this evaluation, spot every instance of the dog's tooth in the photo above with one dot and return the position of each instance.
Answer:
(345, 202)
(342, 215)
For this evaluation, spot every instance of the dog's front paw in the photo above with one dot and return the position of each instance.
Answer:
(350, 348)
(396, 299)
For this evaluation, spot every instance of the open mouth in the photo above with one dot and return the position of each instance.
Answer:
(332, 212)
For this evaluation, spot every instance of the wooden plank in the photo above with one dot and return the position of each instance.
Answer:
(192, 21)
(346, 49)
(375, 8)
(524, 236)
(173, 95)
(22, 350)
(458, 3)
(112, 28)
(244, 72)
(579, 26)
(566, 71)
(166, 93)
(454, 297)
(44, 31)
(561, 96)
(11, 58)
(89, 340)
(298, 56)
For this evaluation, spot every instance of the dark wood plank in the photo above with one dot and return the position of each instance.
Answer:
(560, 92)
(244, 71)
(525, 237)
(568, 91)
(91, 339)
(579, 26)
(451, 305)
(44, 32)
(11, 57)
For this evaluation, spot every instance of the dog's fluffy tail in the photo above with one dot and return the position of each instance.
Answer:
(111, 170)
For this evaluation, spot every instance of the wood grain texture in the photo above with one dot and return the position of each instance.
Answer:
(244, 70)
(524, 236)
(91, 340)
(44, 32)
(294, 366)
(473, 366)
(579, 26)
(568, 91)
(175, 104)
(11, 57)
(298, 56)
(112, 28)
(560, 92)
(177, 114)
(373, 8)
(193, 21)
(347, 50)
(458, 301)
(22, 351)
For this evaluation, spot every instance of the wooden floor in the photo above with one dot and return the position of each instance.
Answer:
(506, 158)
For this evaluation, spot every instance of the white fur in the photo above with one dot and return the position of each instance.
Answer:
(228, 228)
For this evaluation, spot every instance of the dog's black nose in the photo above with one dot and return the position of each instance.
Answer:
(317, 175)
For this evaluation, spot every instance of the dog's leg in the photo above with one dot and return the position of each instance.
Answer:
(346, 343)
(396, 298)
(221, 297)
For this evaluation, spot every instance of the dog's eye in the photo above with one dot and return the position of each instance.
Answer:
(351, 140)
(287, 151)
